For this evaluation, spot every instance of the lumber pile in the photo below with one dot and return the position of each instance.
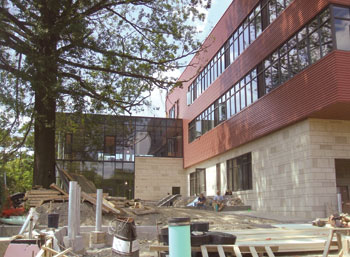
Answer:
(37, 197)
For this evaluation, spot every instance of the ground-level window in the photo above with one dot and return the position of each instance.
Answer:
(239, 173)
(197, 182)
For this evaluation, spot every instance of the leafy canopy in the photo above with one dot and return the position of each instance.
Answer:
(88, 55)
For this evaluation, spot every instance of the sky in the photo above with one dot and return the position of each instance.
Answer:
(158, 97)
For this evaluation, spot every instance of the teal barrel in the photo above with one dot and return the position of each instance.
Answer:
(179, 237)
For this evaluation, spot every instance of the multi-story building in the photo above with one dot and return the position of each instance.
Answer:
(266, 106)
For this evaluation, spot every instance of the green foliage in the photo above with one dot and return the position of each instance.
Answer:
(19, 173)
(85, 56)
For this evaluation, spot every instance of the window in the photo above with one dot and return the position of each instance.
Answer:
(307, 46)
(342, 27)
(239, 173)
(250, 28)
(68, 143)
(109, 146)
(197, 182)
(172, 112)
(171, 146)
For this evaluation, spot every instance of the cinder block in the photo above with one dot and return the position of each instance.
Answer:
(97, 239)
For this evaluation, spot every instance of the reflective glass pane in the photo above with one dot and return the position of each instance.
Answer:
(268, 80)
(252, 30)
(246, 37)
(293, 61)
(326, 38)
(255, 89)
(243, 100)
(341, 12)
(258, 25)
(315, 53)
(342, 30)
(272, 10)
(303, 54)
(108, 170)
(279, 7)
(249, 93)
(232, 103)
(238, 102)
(284, 68)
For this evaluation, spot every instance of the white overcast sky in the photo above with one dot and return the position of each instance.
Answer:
(158, 97)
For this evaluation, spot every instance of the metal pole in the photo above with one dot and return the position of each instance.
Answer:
(340, 207)
(78, 209)
(99, 210)
(72, 209)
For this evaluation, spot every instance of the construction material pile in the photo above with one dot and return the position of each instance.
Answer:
(335, 220)
(339, 220)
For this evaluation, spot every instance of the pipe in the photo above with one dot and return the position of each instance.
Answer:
(72, 210)
(99, 199)
(179, 237)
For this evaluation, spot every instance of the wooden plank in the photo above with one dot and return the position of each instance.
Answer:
(57, 188)
(57, 254)
(204, 251)
(269, 251)
(92, 200)
(253, 251)
(68, 176)
(237, 251)
(42, 192)
(221, 251)
(214, 249)
(63, 253)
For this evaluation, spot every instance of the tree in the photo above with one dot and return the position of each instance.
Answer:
(86, 56)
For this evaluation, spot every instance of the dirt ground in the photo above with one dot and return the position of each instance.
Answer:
(157, 216)
(223, 221)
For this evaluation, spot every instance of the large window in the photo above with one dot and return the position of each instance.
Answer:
(251, 27)
(239, 173)
(197, 182)
(306, 47)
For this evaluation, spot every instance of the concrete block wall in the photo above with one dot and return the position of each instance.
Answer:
(155, 177)
(293, 168)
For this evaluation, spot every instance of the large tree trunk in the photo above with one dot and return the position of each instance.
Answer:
(44, 139)
(45, 86)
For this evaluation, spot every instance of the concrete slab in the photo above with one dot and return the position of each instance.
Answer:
(279, 218)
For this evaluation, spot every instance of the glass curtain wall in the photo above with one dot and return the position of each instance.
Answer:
(103, 148)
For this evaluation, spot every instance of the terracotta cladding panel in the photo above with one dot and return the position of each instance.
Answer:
(287, 24)
(232, 18)
(308, 92)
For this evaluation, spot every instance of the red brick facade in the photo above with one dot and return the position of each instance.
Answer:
(321, 91)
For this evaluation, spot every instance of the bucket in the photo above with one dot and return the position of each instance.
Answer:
(125, 241)
(52, 220)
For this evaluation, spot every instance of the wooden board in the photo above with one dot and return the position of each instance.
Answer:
(57, 188)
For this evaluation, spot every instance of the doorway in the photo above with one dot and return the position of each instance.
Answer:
(342, 169)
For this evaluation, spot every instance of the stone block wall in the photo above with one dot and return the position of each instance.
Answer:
(155, 177)
(293, 168)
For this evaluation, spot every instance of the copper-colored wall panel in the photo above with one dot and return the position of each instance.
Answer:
(313, 93)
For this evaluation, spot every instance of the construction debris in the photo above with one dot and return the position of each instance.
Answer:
(37, 197)
(339, 220)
